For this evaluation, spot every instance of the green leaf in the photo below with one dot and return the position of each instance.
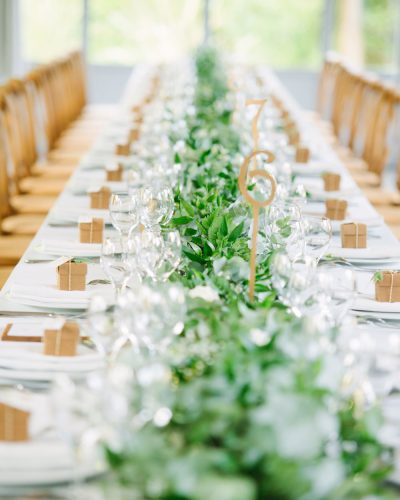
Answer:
(180, 221)
(194, 257)
(236, 232)
(187, 207)
(224, 227)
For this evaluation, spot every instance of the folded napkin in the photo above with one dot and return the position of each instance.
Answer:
(69, 248)
(315, 168)
(375, 250)
(365, 299)
(72, 214)
(50, 297)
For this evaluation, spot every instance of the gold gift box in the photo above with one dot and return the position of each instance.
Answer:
(336, 209)
(114, 173)
(100, 198)
(71, 276)
(302, 154)
(387, 289)
(91, 231)
(353, 235)
(123, 148)
(62, 342)
(331, 181)
(14, 423)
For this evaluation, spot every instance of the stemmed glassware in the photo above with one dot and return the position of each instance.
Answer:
(318, 235)
(157, 205)
(124, 213)
(284, 228)
(115, 262)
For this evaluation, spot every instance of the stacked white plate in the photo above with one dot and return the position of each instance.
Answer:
(45, 459)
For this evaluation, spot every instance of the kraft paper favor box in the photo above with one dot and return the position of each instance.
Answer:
(14, 423)
(71, 276)
(331, 181)
(387, 286)
(134, 134)
(91, 230)
(336, 209)
(302, 154)
(353, 235)
(123, 148)
(100, 198)
(114, 172)
(63, 341)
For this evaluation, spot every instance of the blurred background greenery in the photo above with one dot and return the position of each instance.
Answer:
(283, 34)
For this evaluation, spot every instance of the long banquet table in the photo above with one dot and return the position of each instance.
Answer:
(36, 273)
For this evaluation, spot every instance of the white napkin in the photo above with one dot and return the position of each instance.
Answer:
(51, 297)
(69, 248)
(315, 168)
(72, 214)
(365, 300)
(375, 250)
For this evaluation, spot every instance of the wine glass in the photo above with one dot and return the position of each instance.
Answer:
(156, 205)
(318, 235)
(124, 213)
(300, 284)
(114, 262)
(337, 290)
(284, 228)
(150, 248)
(171, 254)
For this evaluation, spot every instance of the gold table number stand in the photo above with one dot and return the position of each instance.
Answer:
(254, 124)
(255, 204)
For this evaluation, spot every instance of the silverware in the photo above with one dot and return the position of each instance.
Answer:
(63, 224)
(99, 282)
(45, 261)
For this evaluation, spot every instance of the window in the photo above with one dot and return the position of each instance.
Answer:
(284, 33)
(50, 28)
(365, 32)
(128, 31)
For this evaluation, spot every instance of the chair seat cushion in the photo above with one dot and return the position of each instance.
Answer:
(390, 214)
(382, 197)
(42, 185)
(366, 179)
(22, 224)
(12, 248)
(53, 169)
(30, 204)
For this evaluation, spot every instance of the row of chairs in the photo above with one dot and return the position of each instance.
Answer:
(361, 116)
(45, 129)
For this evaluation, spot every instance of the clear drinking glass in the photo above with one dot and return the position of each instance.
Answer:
(284, 228)
(337, 290)
(156, 205)
(171, 254)
(114, 262)
(318, 235)
(124, 212)
(150, 248)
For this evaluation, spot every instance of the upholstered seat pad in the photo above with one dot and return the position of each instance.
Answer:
(390, 214)
(12, 248)
(48, 169)
(42, 185)
(366, 179)
(382, 197)
(22, 224)
(31, 204)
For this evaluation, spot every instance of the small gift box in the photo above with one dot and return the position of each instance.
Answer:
(331, 181)
(114, 172)
(302, 154)
(91, 230)
(336, 209)
(123, 148)
(387, 286)
(293, 135)
(134, 134)
(354, 235)
(100, 198)
(71, 276)
(14, 423)
(63, 341)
